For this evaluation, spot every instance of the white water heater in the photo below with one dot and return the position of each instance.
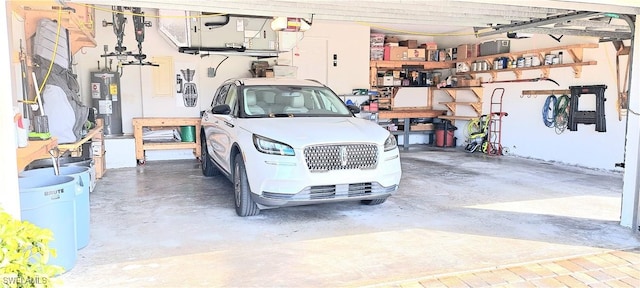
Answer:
(105, 99)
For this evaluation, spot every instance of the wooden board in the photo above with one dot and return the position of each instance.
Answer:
(410, 113)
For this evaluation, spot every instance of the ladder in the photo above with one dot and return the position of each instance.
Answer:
(494, 136)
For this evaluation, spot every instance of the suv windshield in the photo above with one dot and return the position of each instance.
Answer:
(299, 101)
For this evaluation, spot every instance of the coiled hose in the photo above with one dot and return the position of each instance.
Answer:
(549, 108)
(562, 114)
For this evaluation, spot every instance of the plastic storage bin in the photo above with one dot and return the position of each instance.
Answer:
(82, 208)
(47, 202)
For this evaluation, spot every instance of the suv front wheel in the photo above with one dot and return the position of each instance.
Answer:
(244, 204)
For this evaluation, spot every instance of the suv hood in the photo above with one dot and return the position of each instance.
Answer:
(303, 131)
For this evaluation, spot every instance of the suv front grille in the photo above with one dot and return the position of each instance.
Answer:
(322, 158)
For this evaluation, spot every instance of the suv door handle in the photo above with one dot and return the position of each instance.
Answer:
(229, 124)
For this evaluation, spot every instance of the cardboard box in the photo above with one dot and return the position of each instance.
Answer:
(376, 39)
(464, 51)
(442, 55)
(391, 39)
(377, 53)
(395, 53)
(411, 44)
(416, 54)
(432, 55)
(429, 46)
(453, 53)
(475, 50)
(495, 47)
(97, 148)
(469, 83)
(387, 81)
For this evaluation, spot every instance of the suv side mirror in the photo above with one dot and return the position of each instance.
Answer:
(221, 109)
(354, 109)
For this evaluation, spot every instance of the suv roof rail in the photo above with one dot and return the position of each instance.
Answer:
(314, 80)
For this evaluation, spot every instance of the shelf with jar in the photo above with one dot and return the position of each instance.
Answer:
(388, 77)
(542, 59)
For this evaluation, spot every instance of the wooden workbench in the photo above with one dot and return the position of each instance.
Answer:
(407, 114)
(39, 149)
(35, 149)
(401, 113)
(141, 146)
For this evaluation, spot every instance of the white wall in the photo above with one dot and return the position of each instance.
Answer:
(138, 96)
(350, 42)
(139, 100)
(9, 196)
(524, 133)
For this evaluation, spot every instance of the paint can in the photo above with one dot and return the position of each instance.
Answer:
(548, 59)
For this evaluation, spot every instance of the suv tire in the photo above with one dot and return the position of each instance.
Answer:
(373, 201)
(208, 168)
(241, 190)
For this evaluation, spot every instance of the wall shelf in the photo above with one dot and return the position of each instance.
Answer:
(576, 52)
(545, 69)
(477, 92)
(397, 64)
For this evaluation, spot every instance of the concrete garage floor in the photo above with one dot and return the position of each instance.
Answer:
(165, 225)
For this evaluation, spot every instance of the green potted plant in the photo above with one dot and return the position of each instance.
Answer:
(24, 253)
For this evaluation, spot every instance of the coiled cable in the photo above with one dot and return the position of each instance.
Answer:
(549, 111)
(562, 114)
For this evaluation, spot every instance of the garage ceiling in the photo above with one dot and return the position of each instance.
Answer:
(432, 18)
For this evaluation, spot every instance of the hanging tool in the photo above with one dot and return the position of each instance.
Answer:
(524, 80)
(25, 83)
(139, 24)
(41, 122)
(118, 24)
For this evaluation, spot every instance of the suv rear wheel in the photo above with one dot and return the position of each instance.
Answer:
(244, 204)
(208, 169)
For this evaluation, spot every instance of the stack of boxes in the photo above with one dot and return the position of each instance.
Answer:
(376, 46)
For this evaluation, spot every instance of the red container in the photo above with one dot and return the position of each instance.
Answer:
(442, 141)
(373, 107)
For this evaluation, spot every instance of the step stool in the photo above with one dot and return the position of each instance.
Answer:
(587, 117)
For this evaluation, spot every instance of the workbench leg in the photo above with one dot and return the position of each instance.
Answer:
(198, 144)
(137, 135)
(407, 128)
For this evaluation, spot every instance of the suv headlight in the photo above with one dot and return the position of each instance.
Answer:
(390, 143)
(270, 146)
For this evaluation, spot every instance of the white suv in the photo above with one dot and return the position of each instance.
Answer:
(285, 142)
